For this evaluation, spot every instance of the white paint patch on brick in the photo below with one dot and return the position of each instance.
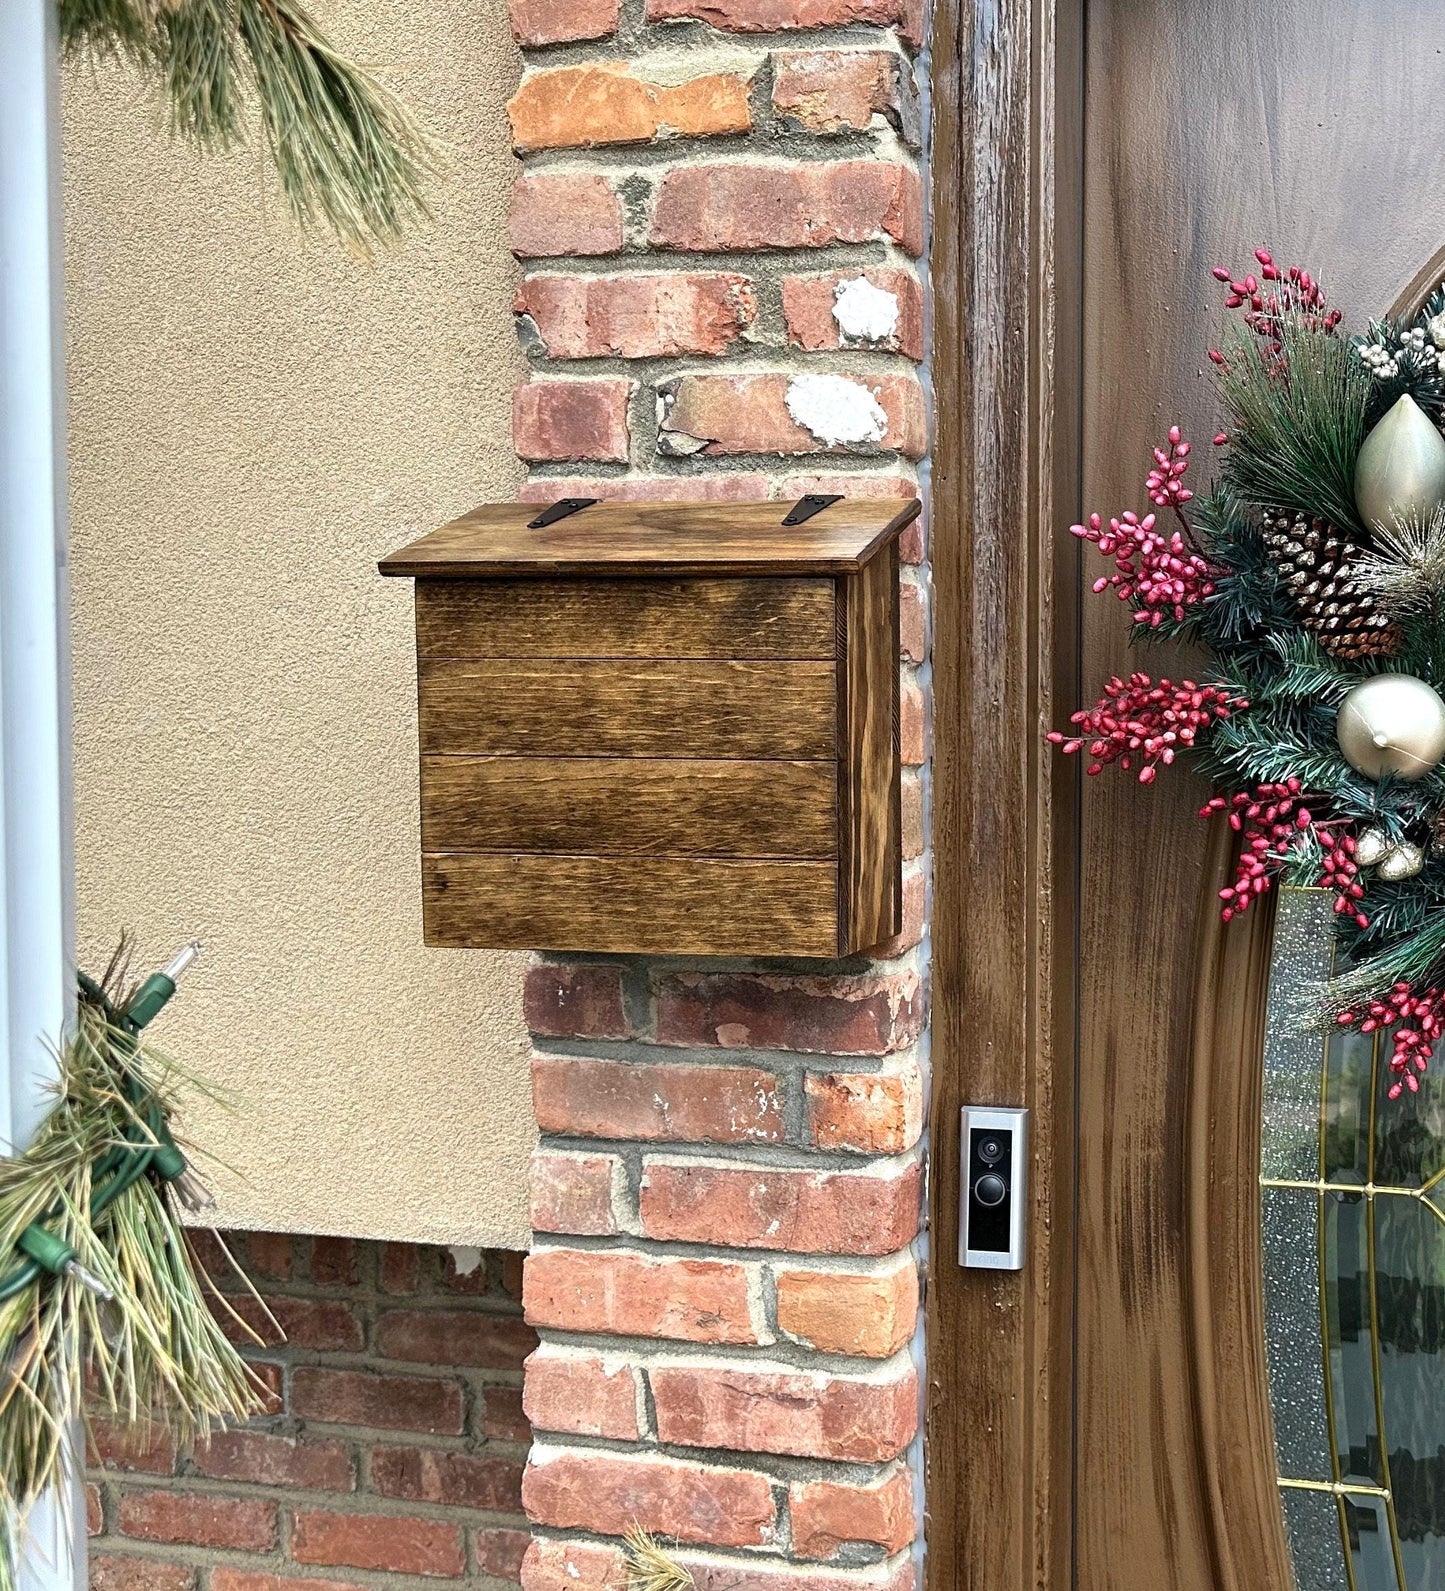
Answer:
(863, 312)
(466, 1260)
(836, 410)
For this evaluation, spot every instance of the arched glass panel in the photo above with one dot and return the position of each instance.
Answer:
(1353, 1212)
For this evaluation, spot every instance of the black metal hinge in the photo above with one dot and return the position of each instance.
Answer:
(806, 507)
(563, 508)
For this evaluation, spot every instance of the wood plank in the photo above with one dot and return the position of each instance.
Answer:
(1006, 139)
(629, 806)
(637, 905)
(753, 711)
(869, 776)
(625, 618)
(656, 538)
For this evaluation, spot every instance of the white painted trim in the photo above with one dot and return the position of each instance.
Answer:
(36, 873)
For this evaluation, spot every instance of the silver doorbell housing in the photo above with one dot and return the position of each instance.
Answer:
(993, 1188)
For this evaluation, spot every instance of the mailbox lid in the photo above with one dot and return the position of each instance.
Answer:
(621, 539)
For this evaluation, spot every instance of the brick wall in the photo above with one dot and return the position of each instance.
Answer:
(719, 219)
(393, 1453)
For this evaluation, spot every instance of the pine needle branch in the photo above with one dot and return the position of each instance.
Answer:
(348, 153)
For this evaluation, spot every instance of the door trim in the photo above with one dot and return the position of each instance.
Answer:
(1007, 81)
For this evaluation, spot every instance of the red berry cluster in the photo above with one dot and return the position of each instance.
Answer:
(1273, 294)
(1272, 819)
(1166, 480)
(1136, 718)
(1157, 571)
(1419, 1022)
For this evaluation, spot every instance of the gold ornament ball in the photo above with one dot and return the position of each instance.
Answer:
(1392, 724)
(1404, 861)
(1400, 473)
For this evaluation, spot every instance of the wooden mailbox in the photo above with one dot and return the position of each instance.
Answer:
(663, 728)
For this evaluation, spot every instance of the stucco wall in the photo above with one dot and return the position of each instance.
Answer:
(254, 419)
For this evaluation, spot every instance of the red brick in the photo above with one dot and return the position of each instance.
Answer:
(264, 1459)
(913, 606)
(246, 1580)
(572, 1566)
(270, 1379)
(776, 16)
(809, 1212)
(456, 1480)
(323, 1324)
(375, 1541)
(512, 1274)
(271, 1254)
(641, 316)
(837, 91)
(863, 1014)
(872, 1313)
(602, 102)
(556, 21)
(611, 1492)
(464, 1271)
(635, 1295)
(682, 1104)
(129, 1447)
(390, 1403)
(810, 302)
(715, 1574)
(912, 725)
(556, 213)
(115, 1573)
(574, 1193)
(872, 1112)
(556, 420)
(827, 1514)
(731, 488)
(914, 913)
(241, 1524)
(400, 1265)
(872, 484)
(500, 1552)
(913, 833)
(812, 1415)
(773, 412)
(582, 1394)
(574, 1000)
(723, 206)
(94, 1510)
(455, 1337)
(334, 1261)
(502, 1417)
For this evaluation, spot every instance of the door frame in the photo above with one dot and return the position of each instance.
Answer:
(1005, 259)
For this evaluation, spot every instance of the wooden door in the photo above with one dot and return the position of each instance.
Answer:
(1101, 1421)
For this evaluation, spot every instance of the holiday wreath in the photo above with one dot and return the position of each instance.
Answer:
(1313, 576)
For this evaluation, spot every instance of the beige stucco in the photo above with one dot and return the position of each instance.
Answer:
(254, 418)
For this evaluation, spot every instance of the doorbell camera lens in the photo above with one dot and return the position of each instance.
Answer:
(990, 1190)
(990, 1151)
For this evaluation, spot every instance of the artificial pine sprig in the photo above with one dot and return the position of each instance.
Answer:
(103, 1304)
(348, 152)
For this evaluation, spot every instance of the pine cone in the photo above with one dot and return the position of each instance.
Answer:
(1314, 560)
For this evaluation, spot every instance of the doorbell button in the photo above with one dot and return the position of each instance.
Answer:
(993, 1188)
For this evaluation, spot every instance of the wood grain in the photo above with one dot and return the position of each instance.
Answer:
(1006, 90)
(1249, 159)
(656, 538)
(568, 708)
(625, 618)
(869, 778)
(646, 905)
(632, 806)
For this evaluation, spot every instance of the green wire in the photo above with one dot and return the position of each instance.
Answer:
(121, 1167)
